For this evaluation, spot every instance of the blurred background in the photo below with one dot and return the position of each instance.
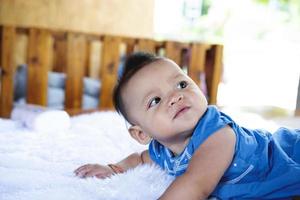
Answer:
(261, 38)
(261, 47)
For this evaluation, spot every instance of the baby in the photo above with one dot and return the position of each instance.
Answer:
(210, 155)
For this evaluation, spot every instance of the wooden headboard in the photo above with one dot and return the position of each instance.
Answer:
(68, 52)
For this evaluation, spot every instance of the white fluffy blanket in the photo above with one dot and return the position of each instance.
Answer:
(39, 165)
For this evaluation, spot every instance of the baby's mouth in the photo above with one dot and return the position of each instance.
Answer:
(181, 111)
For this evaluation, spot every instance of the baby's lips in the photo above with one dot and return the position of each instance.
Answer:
(181, 109)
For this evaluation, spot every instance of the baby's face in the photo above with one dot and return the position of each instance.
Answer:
(164, 101)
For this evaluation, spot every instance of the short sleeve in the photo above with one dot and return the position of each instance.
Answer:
(211, 122)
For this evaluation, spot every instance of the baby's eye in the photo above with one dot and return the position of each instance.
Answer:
(182, 84)
(154, 101)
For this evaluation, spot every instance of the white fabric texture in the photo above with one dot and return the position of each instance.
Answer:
(39, 165)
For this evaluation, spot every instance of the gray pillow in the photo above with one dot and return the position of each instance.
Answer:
(89, 102)
(56, 96)
(56, 85)
(56, 79)
(20, 82)
(91, 87)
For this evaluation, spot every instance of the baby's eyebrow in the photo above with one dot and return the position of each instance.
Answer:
(178, 75)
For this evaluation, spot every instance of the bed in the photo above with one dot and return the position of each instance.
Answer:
(39, 165)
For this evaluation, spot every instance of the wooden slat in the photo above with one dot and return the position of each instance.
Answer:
(129, 40)
(76, 61)
(197, 62)
(130, 45)
(8, 38)
(173, 51)
(213, 71)
(39, 47)
(109, 68)
(60, 58)
(129, 49)
(145, 45)
(87, 60)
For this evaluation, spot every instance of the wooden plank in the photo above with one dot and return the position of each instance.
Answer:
(130, 45)
(109, 68)
(129, 40)
(197, 62)
(173, 51)
(59, 57)
(39, 47)
(76, 61)
(213, 71)
(129, 49)
(145, 45)
(8, 38)
(87, 60)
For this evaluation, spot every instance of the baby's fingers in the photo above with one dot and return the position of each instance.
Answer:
(94, 173)
(102, 176)
(76, 171)
(82, 171)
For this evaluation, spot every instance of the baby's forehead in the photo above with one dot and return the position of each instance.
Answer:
(163, 68)
(154, 75)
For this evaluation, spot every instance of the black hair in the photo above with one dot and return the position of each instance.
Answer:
(133, 64)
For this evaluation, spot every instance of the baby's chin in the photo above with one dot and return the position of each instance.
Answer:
(199, 113)
(191, 125)
(193, 120)
(177, 137)
(187, 130)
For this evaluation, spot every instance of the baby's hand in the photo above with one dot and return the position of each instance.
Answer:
(94, 170)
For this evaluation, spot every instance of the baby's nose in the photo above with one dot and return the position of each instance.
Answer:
(175, 98)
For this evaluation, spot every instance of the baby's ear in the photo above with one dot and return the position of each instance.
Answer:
(139, 135)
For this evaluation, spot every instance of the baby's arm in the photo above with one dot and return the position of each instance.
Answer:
(206, 168)
(104, 171)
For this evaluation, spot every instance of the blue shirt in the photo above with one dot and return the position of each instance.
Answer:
(265, 165)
